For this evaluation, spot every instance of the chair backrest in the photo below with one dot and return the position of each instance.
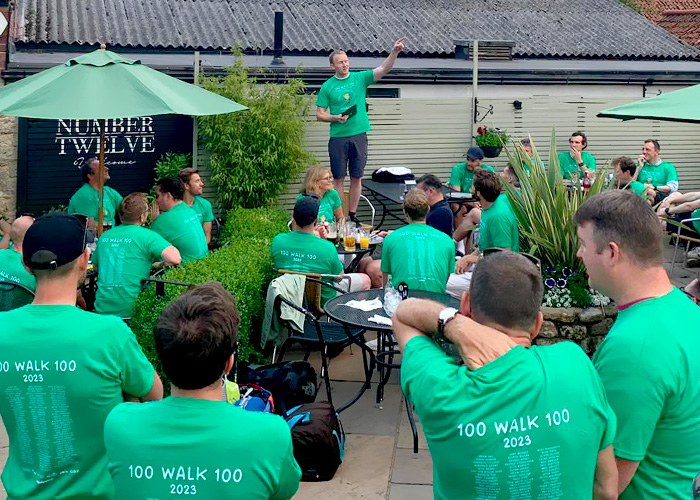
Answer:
(312, 291)
(14, 295)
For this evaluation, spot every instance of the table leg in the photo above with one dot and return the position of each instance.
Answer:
(366, 351)
(412, 422)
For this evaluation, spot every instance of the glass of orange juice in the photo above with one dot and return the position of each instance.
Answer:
(350, 238)
(364, 239)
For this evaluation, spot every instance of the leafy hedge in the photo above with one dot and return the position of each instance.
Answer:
(242, 266)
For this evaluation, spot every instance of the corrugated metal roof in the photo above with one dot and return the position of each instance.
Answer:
(549, 28)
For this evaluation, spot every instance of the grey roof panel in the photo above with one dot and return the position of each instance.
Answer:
(552, 28)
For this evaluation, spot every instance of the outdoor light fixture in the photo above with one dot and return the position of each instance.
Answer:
(518, 104)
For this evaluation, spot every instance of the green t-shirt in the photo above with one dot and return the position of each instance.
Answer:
(181, 226)
(499, 226)
(338, 95)
(527, 425)
(650, 368)
(197, 448)
(306, 252)
(86, 202)
(203, 208)
(657, 175)
(420, 256)
(463, 177)
(123, 258)
(696, 224)
(638, 188)
(567, 165)
(61, 371)
(330, 201)
(13, 271)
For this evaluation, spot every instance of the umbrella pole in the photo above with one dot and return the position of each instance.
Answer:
(101, 178)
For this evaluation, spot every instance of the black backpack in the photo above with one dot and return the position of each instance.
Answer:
(318, 440)
(291, 383)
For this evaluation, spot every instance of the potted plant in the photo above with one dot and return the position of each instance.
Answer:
(491, 141)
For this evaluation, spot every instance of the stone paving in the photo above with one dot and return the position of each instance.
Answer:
(379, 461)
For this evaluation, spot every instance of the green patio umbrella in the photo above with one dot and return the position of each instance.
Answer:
(102, 85)
(678, 106)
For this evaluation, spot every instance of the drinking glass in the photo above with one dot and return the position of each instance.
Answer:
(350, 238)
(364, 239)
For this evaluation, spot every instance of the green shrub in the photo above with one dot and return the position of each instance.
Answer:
(255, 153)
(242, 266)
(171, 163)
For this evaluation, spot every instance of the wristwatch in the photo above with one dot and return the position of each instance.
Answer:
(667, 211)
(580, 164)
(445, 316)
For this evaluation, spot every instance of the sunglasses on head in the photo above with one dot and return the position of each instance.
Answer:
(530, 257)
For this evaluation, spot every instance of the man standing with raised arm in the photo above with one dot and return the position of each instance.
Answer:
(341, 102)
(649, 360)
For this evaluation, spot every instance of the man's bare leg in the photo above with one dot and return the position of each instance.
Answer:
(355, 191)
(339, 185)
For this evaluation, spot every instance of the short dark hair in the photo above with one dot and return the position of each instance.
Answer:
(487, 184)
(506, 288)
(431, 181)
(196, 334)
(172, 185)
(626, 164)
(133, 207)
(584, 139)
(86, 168)
(511, 171)
(657, 146)
(526, 141)
(335, 53)
(628, 220)
(186, 173)
(416, 204)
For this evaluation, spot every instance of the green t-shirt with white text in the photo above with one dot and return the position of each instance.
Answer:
(123, 258)
(61, 371)
(338, 95)
(499, 226)
(330, 201)
(657, 175)
(181, 226)
(568, 167)
(203, 208)
(86, 201)
(463, 177)
(13, 271)
(420, 256)
(650, 368)
(196, 448)
(307, 253)
(527, 425)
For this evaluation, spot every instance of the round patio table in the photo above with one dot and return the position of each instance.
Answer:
(357, 253)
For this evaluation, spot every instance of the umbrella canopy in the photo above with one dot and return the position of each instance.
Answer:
(678, 106)
(103, 84)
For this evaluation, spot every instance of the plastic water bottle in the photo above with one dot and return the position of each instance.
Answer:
(392, 298)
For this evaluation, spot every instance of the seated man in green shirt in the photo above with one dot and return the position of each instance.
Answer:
(194, 443)
(625, 170)
(64, 369)
(86, 200)
(194, 187)
(498, 228)
(417, 254)
(679, 207)
(649, 360)
(528, 421)
(304, 251)
(12, 269)
(178, 223)
(124, 256)
(577, 163)
(660, 174)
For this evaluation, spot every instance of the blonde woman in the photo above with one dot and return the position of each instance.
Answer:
(319, 181)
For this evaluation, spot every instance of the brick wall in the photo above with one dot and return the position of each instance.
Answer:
(8, 137)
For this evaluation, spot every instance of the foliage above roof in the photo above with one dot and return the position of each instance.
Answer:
(539, 28)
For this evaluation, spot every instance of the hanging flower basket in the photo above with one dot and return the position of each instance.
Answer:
(491, 141)
(491, 151)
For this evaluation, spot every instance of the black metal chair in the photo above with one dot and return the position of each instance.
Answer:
(321, 334)
(14, 295)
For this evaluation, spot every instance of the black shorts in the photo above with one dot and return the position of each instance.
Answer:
(673, 229)
(344, 150)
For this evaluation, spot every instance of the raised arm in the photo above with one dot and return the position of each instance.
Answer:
(384, 68)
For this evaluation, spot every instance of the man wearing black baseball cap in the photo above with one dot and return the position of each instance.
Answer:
(304, 251)
(63, 370)
(462, 174)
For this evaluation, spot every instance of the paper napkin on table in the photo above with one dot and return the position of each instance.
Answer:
(365, 305)
(382, 320)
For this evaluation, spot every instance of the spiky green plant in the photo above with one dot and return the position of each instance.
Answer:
(545, 205)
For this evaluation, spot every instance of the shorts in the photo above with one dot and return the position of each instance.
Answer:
(689, 233)
(351, 282)
(344, 150)
(457, 284)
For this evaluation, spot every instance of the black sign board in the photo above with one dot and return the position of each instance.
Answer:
(50, 153)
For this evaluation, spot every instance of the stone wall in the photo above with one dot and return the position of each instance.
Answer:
(8, 166)
(587, 327)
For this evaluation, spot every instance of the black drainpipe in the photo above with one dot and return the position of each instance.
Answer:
(279, 34)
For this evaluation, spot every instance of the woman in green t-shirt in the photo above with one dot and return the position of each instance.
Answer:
(319, 181)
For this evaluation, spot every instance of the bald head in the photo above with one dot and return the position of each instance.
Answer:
(19, 229)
